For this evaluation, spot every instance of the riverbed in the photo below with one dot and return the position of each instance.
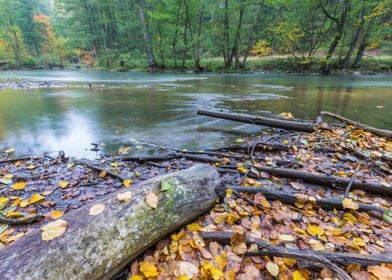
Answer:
(126, 109)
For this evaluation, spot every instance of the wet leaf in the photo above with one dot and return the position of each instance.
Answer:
(36, 198)
(297, 275)
(96, 209)
(272, 268)
(63, 184)
(124, 197)
(53, 230)
(188, 269)
(148, 269)
(127, 183)
(166, 186)
(102, 174)
(3, 201)
(314, 230)
(387, 217)
(19, 186)
(194, 227)
(13, 214)
(381, 272)
(55, 214)
(152, 200)
(348, 203)
(5, 181)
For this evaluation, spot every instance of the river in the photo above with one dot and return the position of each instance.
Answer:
(123, 109)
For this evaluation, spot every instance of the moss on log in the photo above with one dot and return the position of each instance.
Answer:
(98, 247)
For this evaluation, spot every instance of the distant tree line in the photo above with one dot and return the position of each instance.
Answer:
(176, 33)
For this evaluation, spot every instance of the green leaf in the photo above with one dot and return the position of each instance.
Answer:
(387, 217)
(166, 186)
(3, 227)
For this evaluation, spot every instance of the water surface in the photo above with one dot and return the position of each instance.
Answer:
(161, 108)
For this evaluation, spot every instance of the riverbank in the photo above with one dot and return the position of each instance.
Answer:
(381, 64)
(289, 194)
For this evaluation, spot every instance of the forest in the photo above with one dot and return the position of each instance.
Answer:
(194, 34)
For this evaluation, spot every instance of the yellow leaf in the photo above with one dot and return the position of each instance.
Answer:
(286, 237)
(127, 183)
(183, 277)
(124, 197)
(152, 200)
(297, 275)
(24, 203)
(55, 214)
(177, 236)
(19, 186)
(8, 176)
(70, 165)
(286, 141)
(148, 269)
(349, 217)
(36, 198)
(348, 203)
(194, 227)
(14, 214)
(316, 245)
(96, 209)
(3, 201)
(63, 184)
(136, 277)
(229, 192)
(53, 230)
(242, 169)
(314, 230)
(102, 174)
(381, 272)
(31, 167)
(221, 261)
(272, 268)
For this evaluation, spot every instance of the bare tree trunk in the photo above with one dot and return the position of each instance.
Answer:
(253, 35)
(226, 34)
(341, 23)
(234, 50)
(174, 43)
(363, 45)
(150, 54)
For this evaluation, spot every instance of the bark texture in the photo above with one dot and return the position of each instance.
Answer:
(98, 247)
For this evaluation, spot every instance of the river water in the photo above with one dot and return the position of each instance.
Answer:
(123, 109)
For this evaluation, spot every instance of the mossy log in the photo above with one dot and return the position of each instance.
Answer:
(99, 247)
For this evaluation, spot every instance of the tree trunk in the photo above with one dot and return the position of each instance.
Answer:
(150, 54)
(363, 45)
(234, 50)
(341, 23)
(253, 35)
(99, 247)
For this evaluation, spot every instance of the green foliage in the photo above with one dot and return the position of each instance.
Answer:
(193, 34)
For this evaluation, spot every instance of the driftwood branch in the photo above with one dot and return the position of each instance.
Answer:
(377, 131)
(328, 180)
(15, 159)
(291, 198)
(99, 169)
(278, 123)
(268, 249)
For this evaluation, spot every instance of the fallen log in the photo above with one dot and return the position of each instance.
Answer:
(291, 198)
(99, 247)
(377, 131)
(10, 160)
(328, 180)
(278, 123)
(267, 249)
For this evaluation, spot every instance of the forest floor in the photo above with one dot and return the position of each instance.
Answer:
(259, 205)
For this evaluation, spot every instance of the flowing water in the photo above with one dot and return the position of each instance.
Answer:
(126, 108)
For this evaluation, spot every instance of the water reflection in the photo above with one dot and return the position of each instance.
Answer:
(160, 108)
